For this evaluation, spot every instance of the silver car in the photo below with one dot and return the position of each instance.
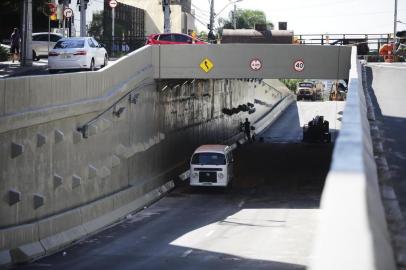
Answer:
(40, 44)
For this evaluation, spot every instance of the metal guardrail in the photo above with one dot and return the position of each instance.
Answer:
(122, 46)
(343, 39)
(367, 44)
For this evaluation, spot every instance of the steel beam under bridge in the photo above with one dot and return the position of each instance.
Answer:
(234, 61)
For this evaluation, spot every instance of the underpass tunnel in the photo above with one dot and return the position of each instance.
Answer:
(147, 128)
(280, 156)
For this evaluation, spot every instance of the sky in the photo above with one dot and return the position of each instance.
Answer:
(316, 16)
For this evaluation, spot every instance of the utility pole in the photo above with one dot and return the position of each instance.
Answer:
(26, 34)
(395, 21)
(83, 18)
(211, 24)
(113, 15)
(235, 16)
(167, 15)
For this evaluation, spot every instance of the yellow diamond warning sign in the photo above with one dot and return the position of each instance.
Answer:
(206, 65)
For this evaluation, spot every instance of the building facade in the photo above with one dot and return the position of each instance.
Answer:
(182, 20)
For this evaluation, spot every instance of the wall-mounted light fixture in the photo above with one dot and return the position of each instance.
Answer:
(132, 98)
(118, 112)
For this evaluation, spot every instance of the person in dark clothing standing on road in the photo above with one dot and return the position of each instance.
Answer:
(247, 129)
(15, 45)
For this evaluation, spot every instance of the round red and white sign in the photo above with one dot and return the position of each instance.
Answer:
(113, 3)
(67, 12)
(256, 64)
(299, 65)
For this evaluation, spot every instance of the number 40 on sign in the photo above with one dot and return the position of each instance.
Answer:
(299, 65)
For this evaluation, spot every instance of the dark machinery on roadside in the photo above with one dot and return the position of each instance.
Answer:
(317, 131)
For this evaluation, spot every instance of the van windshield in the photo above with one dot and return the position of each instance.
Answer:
(307, 85)
(209, 159)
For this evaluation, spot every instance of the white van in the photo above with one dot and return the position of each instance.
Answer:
(211, 165)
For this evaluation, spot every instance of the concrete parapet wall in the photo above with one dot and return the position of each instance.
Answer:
(24, 100)
(234, 61)
(353, 233)
(85, 156)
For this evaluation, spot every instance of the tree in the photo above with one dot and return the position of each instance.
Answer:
(246, 19)
(96, 27)
(291, 83)
(202, 35)
(10, 17)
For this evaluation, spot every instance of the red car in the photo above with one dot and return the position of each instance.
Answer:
(172, 38)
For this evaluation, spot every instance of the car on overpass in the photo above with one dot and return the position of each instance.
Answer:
(211, 165)
(40, 44)
(172, 38)
(78, 53)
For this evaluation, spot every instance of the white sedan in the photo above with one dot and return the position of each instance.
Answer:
(83, 53)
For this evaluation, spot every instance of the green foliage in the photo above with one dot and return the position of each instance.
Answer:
(291, 83)
(10, 17)
(202, 36)
(96, 27)
(246, 19)
(4, 54)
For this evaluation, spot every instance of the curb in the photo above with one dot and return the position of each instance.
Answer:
(22, 71)
(47, 245)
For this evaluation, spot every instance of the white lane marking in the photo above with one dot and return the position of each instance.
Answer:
(241, 204)
(186, 253)
(209, 233)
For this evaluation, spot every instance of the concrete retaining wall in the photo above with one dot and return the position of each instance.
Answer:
(353, 233)
(59, 184)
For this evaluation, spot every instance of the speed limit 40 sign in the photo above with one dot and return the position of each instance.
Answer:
(299, 66)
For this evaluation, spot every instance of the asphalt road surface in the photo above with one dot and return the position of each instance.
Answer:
(266, 221)
(289, 127)
(388, 95)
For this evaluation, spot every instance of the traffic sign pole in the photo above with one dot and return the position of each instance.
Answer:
(112, 27)
(49, 32)
(112, 4)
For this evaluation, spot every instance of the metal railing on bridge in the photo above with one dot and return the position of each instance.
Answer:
(367, 44)
(119, 46)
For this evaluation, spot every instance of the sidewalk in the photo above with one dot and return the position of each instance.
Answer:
(9, 69)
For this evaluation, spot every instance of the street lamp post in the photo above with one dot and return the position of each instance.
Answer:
(395, 21)
(211, 24)
(213, 16)
(235, 16)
